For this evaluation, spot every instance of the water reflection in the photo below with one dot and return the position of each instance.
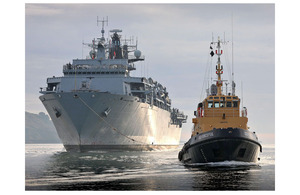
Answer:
(110, 170)
(223, 176)
(136, 170)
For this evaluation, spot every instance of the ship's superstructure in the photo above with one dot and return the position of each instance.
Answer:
(220, 132)
(97, 104)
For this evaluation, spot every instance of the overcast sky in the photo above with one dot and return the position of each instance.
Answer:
(175, 40)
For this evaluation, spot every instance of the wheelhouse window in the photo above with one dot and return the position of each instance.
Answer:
(221, 104)
(228, 104)
(216, 98)
(235, 104)
(216, 104)
(210, 104)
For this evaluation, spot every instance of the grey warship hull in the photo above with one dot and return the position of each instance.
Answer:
(89, 120)
(97, 104)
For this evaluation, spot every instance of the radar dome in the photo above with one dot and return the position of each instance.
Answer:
(137, 53)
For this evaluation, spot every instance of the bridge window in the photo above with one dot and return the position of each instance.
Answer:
(216, 98)
(210, 104)
(216, 104)
(228, 104)
(221, 104)
(235, 104)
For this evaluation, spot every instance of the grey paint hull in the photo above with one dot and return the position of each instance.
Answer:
(98, 120)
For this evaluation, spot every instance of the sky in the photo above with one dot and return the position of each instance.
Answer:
(175, 39)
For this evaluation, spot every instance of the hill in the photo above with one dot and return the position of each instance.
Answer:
(39, 129)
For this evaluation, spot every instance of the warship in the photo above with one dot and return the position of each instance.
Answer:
(220, 132)
(97, 104)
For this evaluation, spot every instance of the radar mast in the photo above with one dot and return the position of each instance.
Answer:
(102, 39)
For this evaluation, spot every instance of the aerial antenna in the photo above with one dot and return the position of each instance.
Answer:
(82, 47)
(226, 83)
(232, 46)
(212, 41)
(102, 31)
(127, 41)
(242, 94)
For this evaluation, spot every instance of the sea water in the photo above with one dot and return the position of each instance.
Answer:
(50, 167)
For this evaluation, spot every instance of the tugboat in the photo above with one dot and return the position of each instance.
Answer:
(220, 133)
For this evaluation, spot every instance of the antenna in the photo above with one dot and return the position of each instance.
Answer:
(82, 47)
(242, 94)
(232, 46)
(226, 87)
(103, 21)
(147, 69)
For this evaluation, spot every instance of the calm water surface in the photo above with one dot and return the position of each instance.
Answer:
(50, 167)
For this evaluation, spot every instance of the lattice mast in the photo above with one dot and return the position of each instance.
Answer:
(219, 68)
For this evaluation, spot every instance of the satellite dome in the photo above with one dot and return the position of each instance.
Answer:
(137, 53)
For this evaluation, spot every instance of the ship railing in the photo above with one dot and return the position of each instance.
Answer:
(131, 67)
(54, 79)
(132, 57)
(179, 116)
(137, 91)
(45, 90)
(83, 67)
